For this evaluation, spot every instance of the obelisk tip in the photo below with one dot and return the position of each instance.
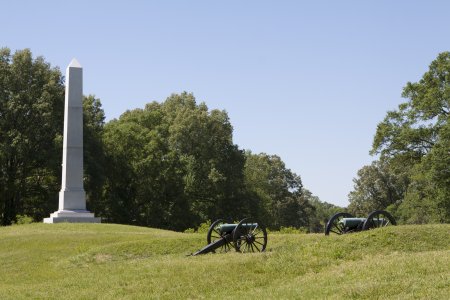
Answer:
(74, 64)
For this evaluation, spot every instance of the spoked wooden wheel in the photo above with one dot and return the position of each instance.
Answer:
(214, 234)
(250, 236)
(335, 226)
(378, 219)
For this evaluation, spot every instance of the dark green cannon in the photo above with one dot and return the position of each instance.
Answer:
(342, 223)
(248, 235)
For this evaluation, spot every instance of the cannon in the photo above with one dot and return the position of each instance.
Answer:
(342, 223)
(248, 235)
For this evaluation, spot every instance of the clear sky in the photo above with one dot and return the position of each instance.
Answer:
(306, 80)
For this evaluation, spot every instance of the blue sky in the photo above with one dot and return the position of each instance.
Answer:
(306, 80)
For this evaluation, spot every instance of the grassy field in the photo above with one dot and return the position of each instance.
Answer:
(107, 261)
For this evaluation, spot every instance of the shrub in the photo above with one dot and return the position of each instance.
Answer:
(23, 219)
(202, 228)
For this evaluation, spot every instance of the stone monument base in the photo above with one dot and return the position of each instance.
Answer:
(72, 216)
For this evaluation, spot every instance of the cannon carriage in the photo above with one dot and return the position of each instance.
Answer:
(248, 235)
(343, 223)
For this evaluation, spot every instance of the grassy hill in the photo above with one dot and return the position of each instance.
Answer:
(88, 261)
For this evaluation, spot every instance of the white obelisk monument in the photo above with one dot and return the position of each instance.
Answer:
(72, 197)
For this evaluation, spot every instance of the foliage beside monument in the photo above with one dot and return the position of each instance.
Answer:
(172, 165)
(31, 114)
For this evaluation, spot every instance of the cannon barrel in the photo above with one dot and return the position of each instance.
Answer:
(352, 222)
(229, 228)
(214, 245)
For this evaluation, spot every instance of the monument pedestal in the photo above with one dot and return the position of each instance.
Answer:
(72, 216)
(71, 209)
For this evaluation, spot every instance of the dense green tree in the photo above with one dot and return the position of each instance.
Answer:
(416, 137)
(31, 114)
(377, 187)
(214, 165)
(173, 165)
(278, 189)
(412, 130)
(137, 187)
(428, 197)
(94, 158)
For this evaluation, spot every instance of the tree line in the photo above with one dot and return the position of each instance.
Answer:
(174, 165)
(170, 165)
(411, 175)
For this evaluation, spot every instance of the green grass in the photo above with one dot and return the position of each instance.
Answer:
(106, 261)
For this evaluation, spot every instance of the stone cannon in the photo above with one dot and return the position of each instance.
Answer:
(342, 223)
(248, 235)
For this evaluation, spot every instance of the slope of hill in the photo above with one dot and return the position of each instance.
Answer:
(88, 261)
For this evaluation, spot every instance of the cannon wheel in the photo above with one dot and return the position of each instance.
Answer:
(371, 222)
(214, 234)
(333, 224)
(247, 239)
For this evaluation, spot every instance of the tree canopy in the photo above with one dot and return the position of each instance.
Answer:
(412, 176)
(173, 165)
(31, 112)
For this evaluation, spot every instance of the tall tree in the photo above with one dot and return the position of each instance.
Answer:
(172, 165)
(214, 165)
(278, 189)
(31, 114)
(377, 187)
(416, 136)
